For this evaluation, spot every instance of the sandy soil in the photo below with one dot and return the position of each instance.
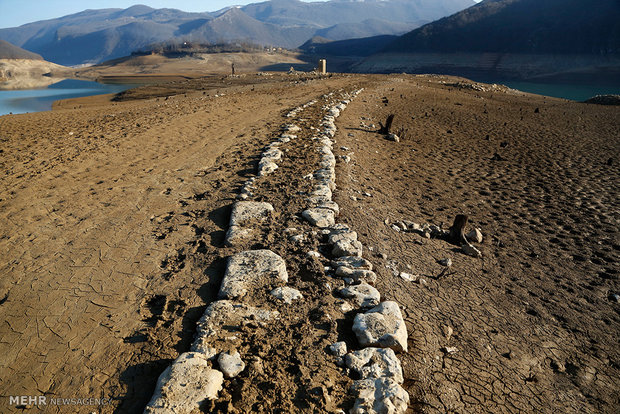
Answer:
(114, 213)
(190, 67)
(28, 73)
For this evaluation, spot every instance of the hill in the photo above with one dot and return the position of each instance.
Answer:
(9, 51)
(94, 36)
(522, 38)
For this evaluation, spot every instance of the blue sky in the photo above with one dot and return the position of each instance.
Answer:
(17, 12)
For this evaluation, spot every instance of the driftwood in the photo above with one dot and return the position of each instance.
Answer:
(388, 125)
(457, 231)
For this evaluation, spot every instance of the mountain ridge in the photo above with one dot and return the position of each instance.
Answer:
(521, 39)
(96, 35)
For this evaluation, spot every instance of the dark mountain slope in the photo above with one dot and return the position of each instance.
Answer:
(9, 51)
(352, 47)
(522, 26)
(521, 39)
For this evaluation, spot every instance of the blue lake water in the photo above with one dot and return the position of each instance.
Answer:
(35, 100)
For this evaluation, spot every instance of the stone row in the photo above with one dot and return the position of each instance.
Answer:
(272, 153)
(191, 380)
(380, 330)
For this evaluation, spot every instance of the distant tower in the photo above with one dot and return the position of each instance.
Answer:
(323, 66)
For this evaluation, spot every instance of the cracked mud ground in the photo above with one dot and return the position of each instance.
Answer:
(113, 219)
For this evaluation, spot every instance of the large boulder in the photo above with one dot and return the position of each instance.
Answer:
(250, 270)
(185, 385)
(382, 326)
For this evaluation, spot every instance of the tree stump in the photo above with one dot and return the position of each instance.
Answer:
(457, 231)
(388, 125)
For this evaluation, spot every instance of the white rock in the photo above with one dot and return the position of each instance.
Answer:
(353, 262)
(312, 253)
(291, 128)
(231, 365)
(245, 211)
(470, 250)
(446, 262)
(382, 326)
(357, 275)
(379, 396)
(322, 190)
(185, 385)
(252, 269)
(338, 349)
(266, 167)
(363, 295)
(408, 277)
(375, 363)
(347, 247)
(393, 137)
(236, 235)
(225, 313)
(346, 307)
(332, 205)
(273, 154)
(286, 294)
(319, 217)
(411, 225)
(474, 236)
(337, 235)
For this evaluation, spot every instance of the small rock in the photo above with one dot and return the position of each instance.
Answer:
(474, 236)
(320, 217)
(185, 385)
(298, 238)
(450, 349)
(347, 247)
(408, 277)
(382, 326)
(470, 250)
(266, 167)
(230, 364)
(314, 254)
(393, 137)
(250, 269)
(346, 307)
(379, 396)
(375, 363)
(286, 294)
(411, 225)
(363, 295)
(353, 262)
(395, 227)
(446, 262)
(357, 275)
(338, 349)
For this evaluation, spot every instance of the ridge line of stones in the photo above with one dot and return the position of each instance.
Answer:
(191, 380)
(380, 330)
